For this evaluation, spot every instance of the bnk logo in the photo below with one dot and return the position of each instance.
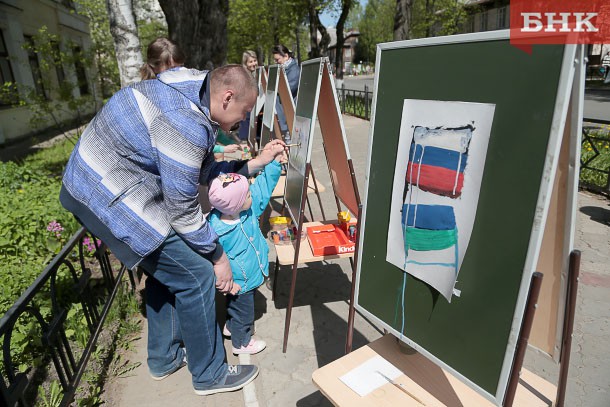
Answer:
(559, 22)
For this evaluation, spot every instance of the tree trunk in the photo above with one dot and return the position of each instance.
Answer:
(313, 31)
(402, 20)
(325, 40)
(346, 6)
(199, 27)
(126, 41)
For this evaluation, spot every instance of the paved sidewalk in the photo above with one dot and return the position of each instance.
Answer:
(319, 321)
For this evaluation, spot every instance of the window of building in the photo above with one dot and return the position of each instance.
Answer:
(6, 73)
(35, 67)
(483, 21)
(501, 18)
(57, 61)
(81, 74)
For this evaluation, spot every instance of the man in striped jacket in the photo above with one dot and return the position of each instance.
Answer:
(133, 180)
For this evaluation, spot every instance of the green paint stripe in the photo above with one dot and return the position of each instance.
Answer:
(424, 239)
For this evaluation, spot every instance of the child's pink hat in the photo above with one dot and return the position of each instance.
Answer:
(228, 193)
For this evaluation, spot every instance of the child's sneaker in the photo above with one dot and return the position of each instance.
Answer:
(255, 346)
(226, 332)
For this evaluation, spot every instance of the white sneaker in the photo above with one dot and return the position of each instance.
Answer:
(226, 332)
(255, 346)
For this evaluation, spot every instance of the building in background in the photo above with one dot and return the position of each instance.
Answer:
(20, 22)
(349, 49)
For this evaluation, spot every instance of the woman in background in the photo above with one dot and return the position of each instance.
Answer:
(250, 61)
(283, 56)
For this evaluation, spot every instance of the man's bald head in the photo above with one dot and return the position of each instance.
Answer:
(233, 92)
(234, 77)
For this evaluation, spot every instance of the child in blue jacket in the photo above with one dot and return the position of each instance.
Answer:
(237, 207)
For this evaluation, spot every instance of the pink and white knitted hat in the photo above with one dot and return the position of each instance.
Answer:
(228, 193)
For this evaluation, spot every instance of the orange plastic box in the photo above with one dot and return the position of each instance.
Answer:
(329, 239)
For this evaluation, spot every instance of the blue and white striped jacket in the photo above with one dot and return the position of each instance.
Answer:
(138, 164)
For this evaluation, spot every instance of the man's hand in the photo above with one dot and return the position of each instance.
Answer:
(224, 276)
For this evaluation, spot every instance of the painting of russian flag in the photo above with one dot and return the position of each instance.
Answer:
(439, 167)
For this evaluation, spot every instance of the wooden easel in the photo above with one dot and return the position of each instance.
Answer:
(331, 126)
(283, 91)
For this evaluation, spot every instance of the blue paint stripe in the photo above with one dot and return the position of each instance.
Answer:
(431, 217)
(438, 157)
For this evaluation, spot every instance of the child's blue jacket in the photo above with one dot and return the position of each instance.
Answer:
(243, 242)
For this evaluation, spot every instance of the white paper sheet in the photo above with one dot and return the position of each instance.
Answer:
(366, 377)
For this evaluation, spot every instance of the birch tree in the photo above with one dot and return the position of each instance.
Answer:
(126, 41)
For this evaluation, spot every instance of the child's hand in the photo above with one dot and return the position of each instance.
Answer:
(281, 157)
(231, 148)
(235, 289)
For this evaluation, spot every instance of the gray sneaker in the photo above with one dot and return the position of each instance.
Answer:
(237, 377)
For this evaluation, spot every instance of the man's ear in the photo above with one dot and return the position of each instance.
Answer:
(227, 97)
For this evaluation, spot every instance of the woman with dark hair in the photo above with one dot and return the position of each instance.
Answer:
(283, 56)
(162, 54)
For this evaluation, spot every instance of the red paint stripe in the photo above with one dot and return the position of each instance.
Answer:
(435, 179)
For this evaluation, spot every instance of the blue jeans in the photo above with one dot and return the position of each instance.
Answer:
(180, 309)
(241, 318)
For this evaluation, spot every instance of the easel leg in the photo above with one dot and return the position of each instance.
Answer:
(568, 326)
(276, 271)
(352, 311)
(524, 334)
(289, 307)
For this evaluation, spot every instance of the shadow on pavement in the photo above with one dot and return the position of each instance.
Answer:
(317, 283)
(597, 214)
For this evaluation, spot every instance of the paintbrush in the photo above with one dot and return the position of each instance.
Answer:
(287, 145)
(401, 387)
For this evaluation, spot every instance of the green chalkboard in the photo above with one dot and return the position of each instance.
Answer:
(474, 335)
(302, 133)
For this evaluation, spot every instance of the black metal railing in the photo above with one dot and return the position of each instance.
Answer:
(59, 294)
(595, 156)
(355, 102)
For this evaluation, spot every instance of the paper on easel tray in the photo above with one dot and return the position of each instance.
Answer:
(367, 378)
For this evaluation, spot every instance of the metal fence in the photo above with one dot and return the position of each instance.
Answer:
(594, 162)
(356, 102)
(595, 156)
(43, 308)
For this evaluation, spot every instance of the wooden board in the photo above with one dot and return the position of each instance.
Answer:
(433, 386)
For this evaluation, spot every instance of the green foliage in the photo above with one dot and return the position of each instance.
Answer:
(376, 26)
(436, 17)
(258, 25)
(33, 229)
(102, 45)
(595, 155)
(54, 395)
